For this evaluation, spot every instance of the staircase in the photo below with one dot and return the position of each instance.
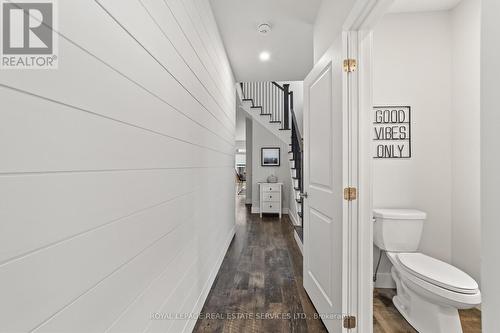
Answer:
(271, 105)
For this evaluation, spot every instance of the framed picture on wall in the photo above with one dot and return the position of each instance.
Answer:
(270, 156)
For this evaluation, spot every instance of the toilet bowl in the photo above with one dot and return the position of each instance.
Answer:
(429, 291)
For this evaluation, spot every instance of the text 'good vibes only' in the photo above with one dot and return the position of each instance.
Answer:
(392, 132)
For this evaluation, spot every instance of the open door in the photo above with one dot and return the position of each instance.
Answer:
(326, 165)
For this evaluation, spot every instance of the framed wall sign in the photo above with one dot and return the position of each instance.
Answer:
(392, 131)
(270, 156)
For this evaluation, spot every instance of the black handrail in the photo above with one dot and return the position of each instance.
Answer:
(294, 123)
(297, 151)
(277, 85)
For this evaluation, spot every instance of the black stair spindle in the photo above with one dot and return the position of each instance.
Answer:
(266, 97)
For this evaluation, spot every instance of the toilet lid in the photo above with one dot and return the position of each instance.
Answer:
(438, 273)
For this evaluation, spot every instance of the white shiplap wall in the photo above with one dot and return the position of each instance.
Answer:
(116, 170)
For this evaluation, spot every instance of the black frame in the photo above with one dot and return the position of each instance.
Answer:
(409, 130)
(262, 157)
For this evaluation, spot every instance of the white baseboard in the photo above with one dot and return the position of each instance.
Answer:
(384, 280)
(293, 218)
(211, 278)
(256, 210)
(299, 243)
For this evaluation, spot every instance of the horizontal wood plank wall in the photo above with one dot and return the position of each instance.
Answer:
(116, 170)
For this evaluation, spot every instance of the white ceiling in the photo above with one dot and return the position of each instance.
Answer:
(290, 42)
(404, 6)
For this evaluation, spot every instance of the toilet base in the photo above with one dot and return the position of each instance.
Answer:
(424, 313)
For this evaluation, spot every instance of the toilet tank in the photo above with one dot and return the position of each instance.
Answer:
(398, 230)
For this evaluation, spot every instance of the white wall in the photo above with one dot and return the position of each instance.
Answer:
(328, 24)
(109, 163)
(490, 164)
(240, 129)
(466, 218)
(412, 56)
(261, 137)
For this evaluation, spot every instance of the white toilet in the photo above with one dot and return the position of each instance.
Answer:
(429, 291)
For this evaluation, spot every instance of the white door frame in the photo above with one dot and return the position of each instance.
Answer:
(358, 26)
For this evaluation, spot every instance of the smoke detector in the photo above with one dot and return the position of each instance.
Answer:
(264, 28)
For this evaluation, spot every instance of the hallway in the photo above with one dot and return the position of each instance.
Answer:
(261, 276)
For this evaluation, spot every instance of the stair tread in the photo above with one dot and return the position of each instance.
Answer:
(299, 230)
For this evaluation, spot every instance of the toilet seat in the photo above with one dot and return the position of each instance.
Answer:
(437, 273)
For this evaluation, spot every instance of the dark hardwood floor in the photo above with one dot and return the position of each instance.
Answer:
(386, 318)
(261, 275)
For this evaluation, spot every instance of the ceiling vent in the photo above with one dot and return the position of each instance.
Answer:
(264, 28)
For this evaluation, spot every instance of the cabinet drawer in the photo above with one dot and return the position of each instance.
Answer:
(270, 187)
(271, 207)
(271, 196)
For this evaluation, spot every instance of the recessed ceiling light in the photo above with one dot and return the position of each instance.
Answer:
(264, 56)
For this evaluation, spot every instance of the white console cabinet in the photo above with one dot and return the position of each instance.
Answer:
(270, 198)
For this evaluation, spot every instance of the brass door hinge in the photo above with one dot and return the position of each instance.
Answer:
(350, 65)
(350, 193)
(349, 322)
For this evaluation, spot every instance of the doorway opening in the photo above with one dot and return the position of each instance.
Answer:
(421, 132)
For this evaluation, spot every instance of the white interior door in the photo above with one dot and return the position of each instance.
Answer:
(325, 166)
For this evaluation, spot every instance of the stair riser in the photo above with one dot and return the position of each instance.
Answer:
(297, 195)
